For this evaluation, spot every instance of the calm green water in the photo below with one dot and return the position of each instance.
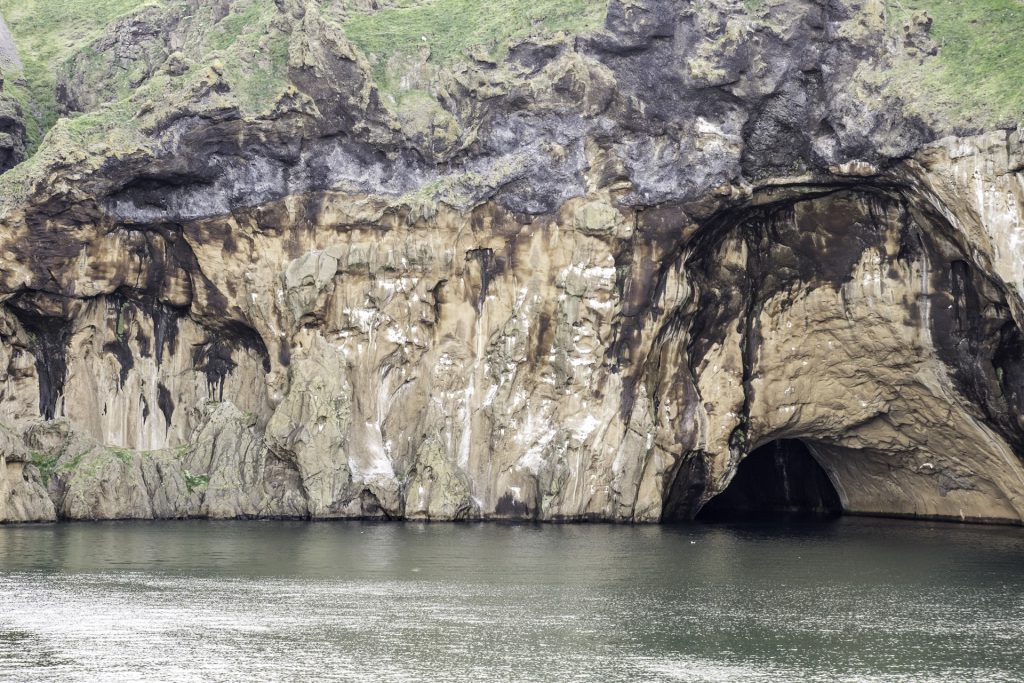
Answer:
(851, 600)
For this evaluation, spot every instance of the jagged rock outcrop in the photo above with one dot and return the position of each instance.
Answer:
(582, 282)
(12, 130)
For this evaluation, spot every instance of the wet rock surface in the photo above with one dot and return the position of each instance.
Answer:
(624, 264)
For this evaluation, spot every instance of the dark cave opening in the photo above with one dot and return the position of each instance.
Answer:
(779, 479)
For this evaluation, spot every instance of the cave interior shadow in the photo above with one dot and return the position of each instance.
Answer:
(779, 480)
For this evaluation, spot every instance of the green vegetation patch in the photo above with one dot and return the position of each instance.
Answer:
(48, 32)
(976, 79)
(50, 464)
(196, 482)
(755, 6)
(257, 67)
(122, 454)
(248, 48)
(451, 28)
(46, 464)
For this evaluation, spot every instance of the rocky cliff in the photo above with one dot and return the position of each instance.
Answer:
(279, 259)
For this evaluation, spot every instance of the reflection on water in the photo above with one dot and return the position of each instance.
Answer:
(854, 599)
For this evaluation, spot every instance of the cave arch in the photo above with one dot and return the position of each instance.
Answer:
(779, 479)
(865, 320)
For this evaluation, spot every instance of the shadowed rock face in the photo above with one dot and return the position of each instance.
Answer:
(779, 479)
(639, 270)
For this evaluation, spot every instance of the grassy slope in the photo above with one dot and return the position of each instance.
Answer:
(47, 32)
(978, 77)
(975, 80)
(451, 28)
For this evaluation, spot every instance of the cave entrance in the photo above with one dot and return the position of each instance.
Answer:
(780, 479)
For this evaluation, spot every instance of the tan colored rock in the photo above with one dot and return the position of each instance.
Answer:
(23, 496)
(582, 282)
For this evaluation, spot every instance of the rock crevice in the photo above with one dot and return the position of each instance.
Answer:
(618, 264)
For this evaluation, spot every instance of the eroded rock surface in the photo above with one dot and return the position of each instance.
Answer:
(599, 275)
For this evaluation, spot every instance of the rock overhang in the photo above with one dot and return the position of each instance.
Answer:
(583, 312)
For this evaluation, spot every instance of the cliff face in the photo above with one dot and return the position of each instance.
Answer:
(580, 280)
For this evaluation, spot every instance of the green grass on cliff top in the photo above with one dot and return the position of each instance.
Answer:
(975, 81)
(978, 77)
(450, 29)
(48, 32)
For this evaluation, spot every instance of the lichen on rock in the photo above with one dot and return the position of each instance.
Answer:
(266, 264)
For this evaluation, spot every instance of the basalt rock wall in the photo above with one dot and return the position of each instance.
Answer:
(643, 253)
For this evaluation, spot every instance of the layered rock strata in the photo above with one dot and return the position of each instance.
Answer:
(632, 258)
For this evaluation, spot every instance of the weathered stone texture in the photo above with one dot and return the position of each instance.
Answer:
(668, 243)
